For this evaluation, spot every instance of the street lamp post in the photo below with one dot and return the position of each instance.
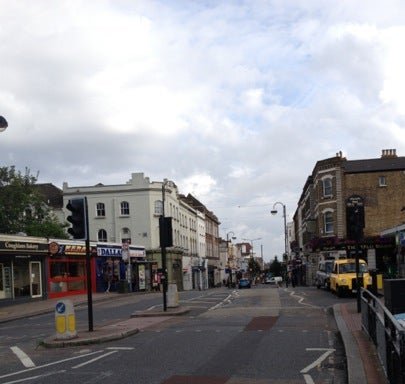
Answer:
(163, 248)
(274, 212)
(227, 254)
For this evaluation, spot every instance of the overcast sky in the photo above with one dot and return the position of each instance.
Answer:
(234, 101)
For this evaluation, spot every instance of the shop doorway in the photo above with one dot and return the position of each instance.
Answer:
(5, 281)
(35, 273)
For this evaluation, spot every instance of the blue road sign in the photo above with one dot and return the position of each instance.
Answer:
(60, 307)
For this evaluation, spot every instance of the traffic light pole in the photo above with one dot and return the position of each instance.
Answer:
(88, 271)
(163, 250)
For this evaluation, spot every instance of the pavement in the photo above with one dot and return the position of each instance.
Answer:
(363, 365)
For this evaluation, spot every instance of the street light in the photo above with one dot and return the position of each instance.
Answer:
(3, 124)
(274, 212)
(227, 253)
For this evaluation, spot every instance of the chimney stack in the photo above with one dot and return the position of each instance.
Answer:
(388, 153)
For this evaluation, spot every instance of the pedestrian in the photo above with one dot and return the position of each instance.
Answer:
(108, 278)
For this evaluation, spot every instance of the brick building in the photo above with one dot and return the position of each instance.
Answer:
(344, 201)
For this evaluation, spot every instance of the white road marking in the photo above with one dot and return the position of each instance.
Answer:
(318, 361)
(121, 348)
(93, 360)
(308, 379)
(25, 360)
(221, 303)
(49, 364)
(34, 377)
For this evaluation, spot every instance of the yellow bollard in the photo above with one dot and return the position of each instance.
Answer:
(65, 320)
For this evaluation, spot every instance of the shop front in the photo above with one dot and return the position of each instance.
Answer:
(122, 268)
(22, 261)
(143, 272)
(110, 267)
(67, 269)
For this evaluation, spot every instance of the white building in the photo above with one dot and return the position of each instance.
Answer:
(130, 213)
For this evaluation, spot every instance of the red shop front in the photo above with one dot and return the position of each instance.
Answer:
(67, 269)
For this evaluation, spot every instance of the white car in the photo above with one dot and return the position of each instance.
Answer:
(273, 280)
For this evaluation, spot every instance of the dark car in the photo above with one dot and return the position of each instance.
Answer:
(244, 283)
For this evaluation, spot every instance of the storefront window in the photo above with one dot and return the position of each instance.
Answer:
(67, 275)
(5, 281)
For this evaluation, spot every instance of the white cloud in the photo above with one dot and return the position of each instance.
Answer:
(233, 101)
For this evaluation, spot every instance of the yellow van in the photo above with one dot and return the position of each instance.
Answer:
(343, 276)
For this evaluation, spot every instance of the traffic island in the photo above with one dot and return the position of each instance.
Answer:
(103, 334)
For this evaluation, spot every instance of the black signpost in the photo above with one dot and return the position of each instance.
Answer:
(166, 240)
(354, 227)
(80, 230)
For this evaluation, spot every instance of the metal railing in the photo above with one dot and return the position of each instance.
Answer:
(387, 335)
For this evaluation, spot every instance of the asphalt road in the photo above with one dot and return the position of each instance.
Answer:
(260, 335)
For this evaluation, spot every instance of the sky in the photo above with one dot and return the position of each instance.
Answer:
(234, 101)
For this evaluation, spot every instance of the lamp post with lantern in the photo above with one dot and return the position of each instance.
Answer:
(228, 239)
(274, 212)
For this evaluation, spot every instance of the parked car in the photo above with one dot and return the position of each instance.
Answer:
(323, 274)
(343, 276)
(244, 283)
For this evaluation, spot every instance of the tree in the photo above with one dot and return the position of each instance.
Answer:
(276, 267)
(254, 267)
(22, 208)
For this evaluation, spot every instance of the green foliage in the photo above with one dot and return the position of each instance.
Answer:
(22, 208)
(276, 268)
(254, 266)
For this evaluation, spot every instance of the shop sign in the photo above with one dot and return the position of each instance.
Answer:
(109, 251)
(20, 246)
(53, 248)
(72, 249)
(355, 201)
(136, 252)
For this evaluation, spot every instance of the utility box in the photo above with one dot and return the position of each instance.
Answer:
(394, 295)
(65, 320)
(123, 286)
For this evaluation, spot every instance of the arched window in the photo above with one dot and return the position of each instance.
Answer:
(102, 235)
(328, 222)
(100, 210)
(126, 235)
(124, 208)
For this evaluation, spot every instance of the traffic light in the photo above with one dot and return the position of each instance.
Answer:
(165, 231)
(78, 218)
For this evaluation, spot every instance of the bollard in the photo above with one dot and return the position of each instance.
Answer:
(65, 320)
(374, 287)
(172, 296)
